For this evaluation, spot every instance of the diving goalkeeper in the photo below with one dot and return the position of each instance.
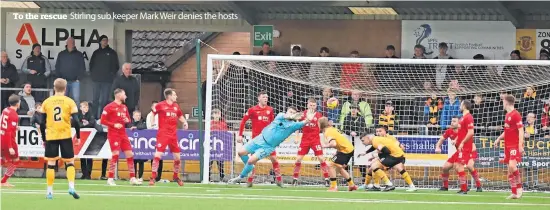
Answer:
(274, 134)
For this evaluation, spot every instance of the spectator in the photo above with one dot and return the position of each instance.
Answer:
(530, 103)
(266, 50)
(138, 123)
(443, 71)
(150, 116)
(432, 110)
(515, 55)
(390, 52)
(364, 108)
(350, 72)
(478, 111)
(532, 130)
(451, 108)
(419, 52)
(354, 124)
(70, 66)
(511, 74)
(218, 124)
(324, 73)
(87, 120)
(332, 114)
(9, 77)
(388, 117)
(28, 104)
(296, 51)
(38, 69)
(130, 85)
(544, 54)
(103, 68)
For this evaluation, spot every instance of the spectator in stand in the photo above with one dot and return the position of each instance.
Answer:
(530, 102)
(138, 123)
(388, 117)
(481, 115)
(451, 108)
(390, 52)
(333, 115)
(354, 124)
(544, 54)
(103, 68)
(154, 126)
(364, 108)
(324, 73)
(442, 71)
(87, 120)
(130, 85)
(38, 69)
(296, 51)
(218, 124)
(515, 55)
(9, 77)
(70, 66)
(266, 49)
(419, 52)
(27, 104)
(432, 110)
(532, 129)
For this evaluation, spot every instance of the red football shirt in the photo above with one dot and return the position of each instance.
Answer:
(9, 127)
(114, 113)
(310, 132)
(168, 115)
(512, 124)
(466, 123)
(260, 116)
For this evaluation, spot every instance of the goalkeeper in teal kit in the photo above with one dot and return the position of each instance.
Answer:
(274, 134)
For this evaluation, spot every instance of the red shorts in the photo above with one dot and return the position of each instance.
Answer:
(315, 146)
(6, 157)
(512, 153)
(474, 155)
(118, 143)
(461, 157)
(170, 142)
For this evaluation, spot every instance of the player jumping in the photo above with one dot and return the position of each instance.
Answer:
(115, 116)
(271, 136)
(260, 115)
(513, 136)
(344, 152)
(451, 133)
(169, 113)
(310, 140)
(8, 131)
(55, 119)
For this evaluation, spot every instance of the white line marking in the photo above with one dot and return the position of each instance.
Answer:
(268, 198)
(297, 190)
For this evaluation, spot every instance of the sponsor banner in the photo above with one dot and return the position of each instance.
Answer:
(288, 150)
(493, 39)
(419, 151)
(95, 144)
(537, 153)
(531, 41)
(52, 34)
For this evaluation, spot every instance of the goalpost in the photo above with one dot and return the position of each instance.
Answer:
(415, 98)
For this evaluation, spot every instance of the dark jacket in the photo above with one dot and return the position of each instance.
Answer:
(70, 65)
(9, 72)
(104, 65)
(354, 124)
(40, 64)
(22, 111)
(130, 85)
(140, 125)
(89, 117)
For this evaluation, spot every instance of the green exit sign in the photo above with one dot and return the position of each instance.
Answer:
(263, 33)
(195, 113)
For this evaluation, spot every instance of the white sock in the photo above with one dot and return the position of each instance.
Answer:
(71, 185)
(50, 189)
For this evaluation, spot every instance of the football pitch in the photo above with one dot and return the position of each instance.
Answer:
(29, 194)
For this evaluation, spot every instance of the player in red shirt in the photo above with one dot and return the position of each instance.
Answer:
(464, 143)
(261, 116)
(513, 136)
(8, 131)
(452, 133)
(169, 113)
(115, 116)
(310, 140)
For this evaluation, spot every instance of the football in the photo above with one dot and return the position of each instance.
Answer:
(332, 103)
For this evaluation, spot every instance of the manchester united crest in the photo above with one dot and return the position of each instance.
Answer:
(526, 43)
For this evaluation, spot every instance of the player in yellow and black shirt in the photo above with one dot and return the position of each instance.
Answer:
(391, 155)
(344, 152)
(55, 120)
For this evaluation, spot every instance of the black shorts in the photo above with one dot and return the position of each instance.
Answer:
(53, 147)
(342, 158)
(391, 161)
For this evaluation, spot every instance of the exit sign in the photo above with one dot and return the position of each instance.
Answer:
(195, 113)
(263, 33)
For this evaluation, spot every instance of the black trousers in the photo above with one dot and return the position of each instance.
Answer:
(104, 163)
(221, 169)
(141, 164)
(86, 165)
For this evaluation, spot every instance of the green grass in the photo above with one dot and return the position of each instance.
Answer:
(29, 194)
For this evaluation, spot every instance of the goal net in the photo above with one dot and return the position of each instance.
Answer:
(416, 99)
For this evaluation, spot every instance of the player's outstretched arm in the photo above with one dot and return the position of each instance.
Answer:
(331, 143)
(75, 121)
(438, 144)
(184, 121)
(497, 142)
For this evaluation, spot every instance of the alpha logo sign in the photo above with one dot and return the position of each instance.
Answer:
(52, 35)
